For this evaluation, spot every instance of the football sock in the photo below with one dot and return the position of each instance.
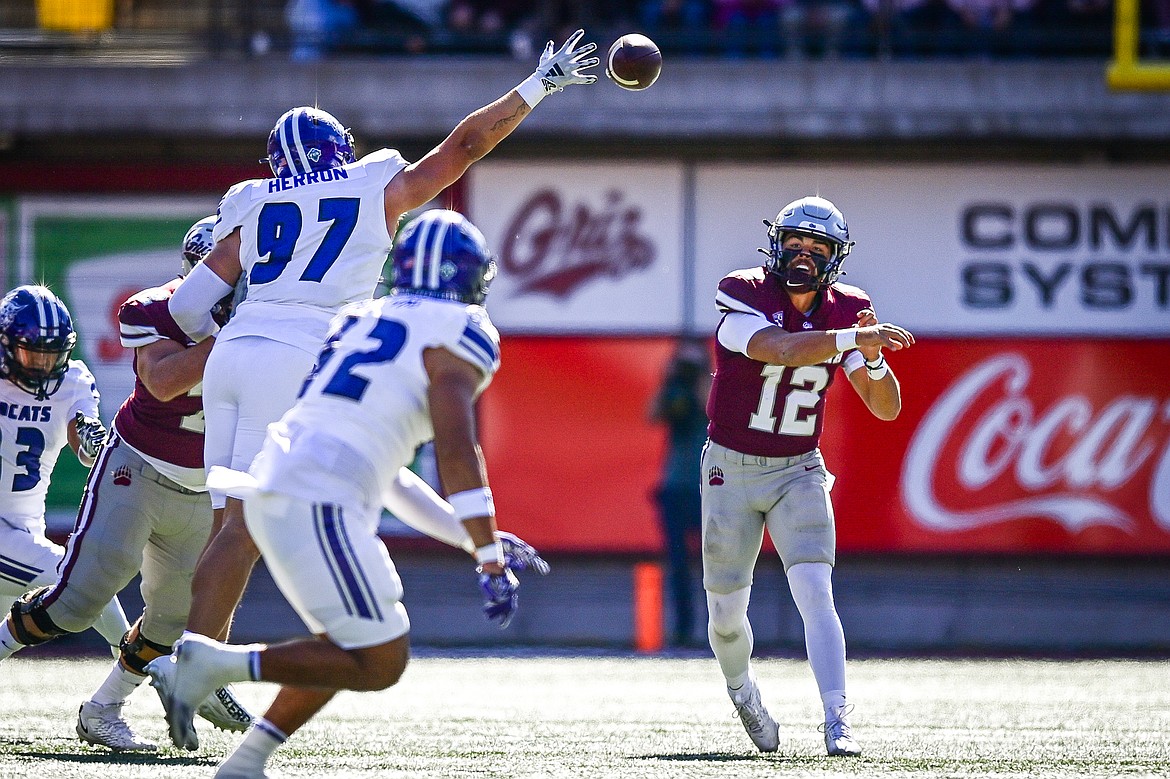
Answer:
(259, 743)
(730, 634)
(824, 640)
(117, 686)
(8, 643)
(111, 623)
(834, 702)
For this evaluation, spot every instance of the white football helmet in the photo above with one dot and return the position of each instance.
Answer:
(816, 218)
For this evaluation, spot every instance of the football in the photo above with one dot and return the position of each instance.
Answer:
(634, 62)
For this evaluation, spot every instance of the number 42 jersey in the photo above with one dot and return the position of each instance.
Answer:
(309, 244)
(368, 392)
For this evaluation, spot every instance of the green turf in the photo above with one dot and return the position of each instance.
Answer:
(643, 717)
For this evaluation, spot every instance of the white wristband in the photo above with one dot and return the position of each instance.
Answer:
(846, 339)
(532, 90)
(490, 553)
(879, 371)
(472, 503)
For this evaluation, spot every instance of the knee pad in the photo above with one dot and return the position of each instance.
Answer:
(727, 611)
(29, 622)
(136, 650)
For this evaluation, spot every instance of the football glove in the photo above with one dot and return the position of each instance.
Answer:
(563, 67)
(500, 596)
(91, 434)
(519, 554)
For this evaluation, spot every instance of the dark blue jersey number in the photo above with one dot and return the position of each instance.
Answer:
(33, 441)
(390, 335)
(280, 226)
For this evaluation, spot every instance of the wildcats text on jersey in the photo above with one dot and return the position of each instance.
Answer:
(23, 413)
(313, 177)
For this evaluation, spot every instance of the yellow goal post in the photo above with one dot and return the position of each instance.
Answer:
(1127, 71)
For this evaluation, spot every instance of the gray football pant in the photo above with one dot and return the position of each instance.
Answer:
(132, 519)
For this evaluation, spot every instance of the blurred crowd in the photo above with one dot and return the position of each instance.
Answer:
(792, 29)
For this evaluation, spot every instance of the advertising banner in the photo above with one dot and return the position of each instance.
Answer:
(1026, 446)
(966, 249)
(583, 248)
(96, 252)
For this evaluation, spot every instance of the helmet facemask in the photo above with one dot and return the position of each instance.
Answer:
(803, 270)
(39, 367)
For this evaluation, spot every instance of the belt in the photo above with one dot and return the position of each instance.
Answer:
(148, 472)
(730, 455)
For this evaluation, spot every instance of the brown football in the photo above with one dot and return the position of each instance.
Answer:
(634, 62)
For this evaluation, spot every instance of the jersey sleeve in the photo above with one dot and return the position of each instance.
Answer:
(478, 342)
(228, 216)
(145, 318)
(85, 392)
(383, 164)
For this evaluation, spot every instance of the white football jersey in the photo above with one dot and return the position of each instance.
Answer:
(309, 245)
(32, 435)
(369, 392)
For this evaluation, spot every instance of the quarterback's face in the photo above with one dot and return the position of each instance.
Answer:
(808, 254)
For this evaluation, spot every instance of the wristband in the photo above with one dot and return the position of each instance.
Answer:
(490, 553)
(472, 503)
(532, 90)
(879, 371)
(847, 339)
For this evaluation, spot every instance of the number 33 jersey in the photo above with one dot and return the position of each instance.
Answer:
(369, 387)
(309, 244)
(775, 410)
(32, 434)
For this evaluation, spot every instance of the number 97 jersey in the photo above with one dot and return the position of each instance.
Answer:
(369, 387)
(313, 242)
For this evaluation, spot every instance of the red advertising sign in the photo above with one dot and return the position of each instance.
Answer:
(1003, 446)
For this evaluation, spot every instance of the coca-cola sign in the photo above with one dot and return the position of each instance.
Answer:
(1072, 461)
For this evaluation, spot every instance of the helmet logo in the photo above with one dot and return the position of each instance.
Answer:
(447, 270)
(314, 155)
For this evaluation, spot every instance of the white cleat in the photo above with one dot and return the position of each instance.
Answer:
(184, 680)
(839, 740)
(224, 711)
(103, 726)
(758, 723)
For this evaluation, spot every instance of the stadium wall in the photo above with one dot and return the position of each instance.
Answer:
(1014, 218)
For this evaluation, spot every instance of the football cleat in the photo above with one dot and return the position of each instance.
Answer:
(839, 740)
(102, 725)
(758, 723)
(223, 710)
(184, 680)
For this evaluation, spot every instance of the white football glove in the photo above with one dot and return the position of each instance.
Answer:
(91, 434)
(559, 69)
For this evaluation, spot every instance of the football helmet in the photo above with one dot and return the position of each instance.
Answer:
(197, 244)
(308, 139)
(36, 340)
(813, 217)
(442, 255)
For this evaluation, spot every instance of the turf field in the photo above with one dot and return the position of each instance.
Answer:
(650, 718)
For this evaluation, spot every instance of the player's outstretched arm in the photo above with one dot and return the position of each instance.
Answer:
(482, 130)
(776, 346)
(202, 289)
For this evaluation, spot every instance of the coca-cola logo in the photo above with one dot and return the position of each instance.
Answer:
(554, 249)
(1070, 462)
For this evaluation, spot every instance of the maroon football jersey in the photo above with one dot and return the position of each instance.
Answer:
(775, 410)
(171, 430)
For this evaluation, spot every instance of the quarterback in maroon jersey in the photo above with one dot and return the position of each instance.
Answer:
(145, 508)
(787, 328)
